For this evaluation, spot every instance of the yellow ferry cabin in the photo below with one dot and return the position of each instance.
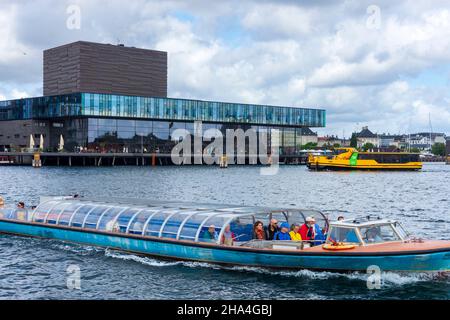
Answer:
(352, 159)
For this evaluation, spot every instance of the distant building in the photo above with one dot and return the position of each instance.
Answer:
(388, 141)
(367, 136)
(108, 98)
(423, 142)
(330, 141)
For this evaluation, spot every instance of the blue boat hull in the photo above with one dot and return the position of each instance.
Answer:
(423, 262)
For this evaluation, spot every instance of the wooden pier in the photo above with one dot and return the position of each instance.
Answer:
(110, 159)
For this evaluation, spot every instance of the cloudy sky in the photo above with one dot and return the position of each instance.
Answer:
(385, 64)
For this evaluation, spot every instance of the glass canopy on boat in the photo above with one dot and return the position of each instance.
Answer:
(181, 221)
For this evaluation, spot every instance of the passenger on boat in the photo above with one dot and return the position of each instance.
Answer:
(2, 205)
(258, 231)
(210, 235)
(312, 231)
(340, 218)
(283, 234)
(228, 237)
(271, 229)
(21, 213)
(295, 232)
(373, 235)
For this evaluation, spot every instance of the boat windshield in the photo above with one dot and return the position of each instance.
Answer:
(379, 234)
(343, 234)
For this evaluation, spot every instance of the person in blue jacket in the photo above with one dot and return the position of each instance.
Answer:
(283, 234)
(315, 232)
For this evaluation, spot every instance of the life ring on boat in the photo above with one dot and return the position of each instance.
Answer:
(338, 246)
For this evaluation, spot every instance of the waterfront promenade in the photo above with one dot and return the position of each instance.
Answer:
(98, 159)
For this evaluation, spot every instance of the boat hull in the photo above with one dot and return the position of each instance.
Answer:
(203, 252)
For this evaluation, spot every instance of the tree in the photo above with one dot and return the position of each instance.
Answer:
(438, 149)
(354, 141)
(309, 145)
(367, 146)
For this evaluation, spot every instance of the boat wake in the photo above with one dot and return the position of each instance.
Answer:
(388, 279)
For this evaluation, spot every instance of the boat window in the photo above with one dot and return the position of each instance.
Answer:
(320, 218)
(78, 217)
(65, 216)
(138, 222)
(125, 218)
(210, 230)
(378, 234)
(41, 211)
(155, 223)
(242, 227)
(280, 216)
(191, 226)
(107, 221)
(55, 211)
(91, 219)
(6, 213)
(343, 234)
(172, 226)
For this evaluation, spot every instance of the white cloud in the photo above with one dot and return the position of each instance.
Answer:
(309, 54)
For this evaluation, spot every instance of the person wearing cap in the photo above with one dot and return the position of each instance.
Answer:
(283, 234)
(312, 231)
(295, 232)
(210, 235)
(271, 229)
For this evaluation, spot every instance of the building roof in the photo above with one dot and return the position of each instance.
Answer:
(366, 133)
(305, 131)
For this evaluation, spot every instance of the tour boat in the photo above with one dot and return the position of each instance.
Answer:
(175, 230)
(351, 159)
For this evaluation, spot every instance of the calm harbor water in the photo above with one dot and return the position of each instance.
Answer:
(36, 269)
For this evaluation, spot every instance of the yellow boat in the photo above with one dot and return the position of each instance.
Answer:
(352, 159)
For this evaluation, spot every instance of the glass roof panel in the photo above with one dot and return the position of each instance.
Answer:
(91, 220)
(217, 220)
(55, 211)
(125, 218)
(65, 216)
(108, 221)
(136, 225)
(172, 225)
(156, 221)
(189, 229)
(78, 216)
(41, 211)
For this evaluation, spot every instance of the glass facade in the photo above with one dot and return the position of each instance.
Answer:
(105, 105)
(113, 123)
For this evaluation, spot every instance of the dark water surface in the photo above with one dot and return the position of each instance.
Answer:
(37, 269)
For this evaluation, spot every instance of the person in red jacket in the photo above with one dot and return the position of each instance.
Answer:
(305, 228)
